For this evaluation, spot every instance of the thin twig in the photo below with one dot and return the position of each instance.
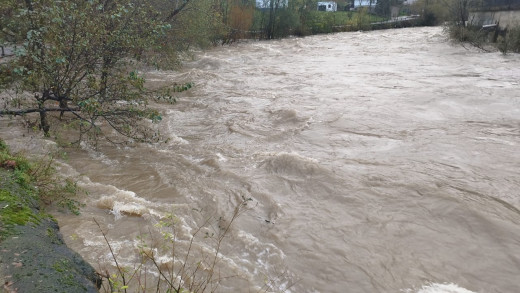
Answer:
(119, 269)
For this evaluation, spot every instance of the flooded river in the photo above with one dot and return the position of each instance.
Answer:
(384, 161)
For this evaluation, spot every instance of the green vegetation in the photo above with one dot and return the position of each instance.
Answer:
(76, 69)
(385, 8)
(320, 22)
(510, 41)
(460, 28)
(302, 23)
(433, 12)
(76, 63)
(17, 197)
(15, 211)
(26, 185)
(32, 252)
(468, 35)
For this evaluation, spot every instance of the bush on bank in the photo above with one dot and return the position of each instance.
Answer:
(506, 41)
(286, 22)
(510, 42)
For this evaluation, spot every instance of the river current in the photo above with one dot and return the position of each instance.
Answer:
(383, 161)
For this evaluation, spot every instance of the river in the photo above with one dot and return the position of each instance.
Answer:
(383, 161)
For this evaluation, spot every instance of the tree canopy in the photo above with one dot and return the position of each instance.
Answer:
(79, 59)
(383, 7)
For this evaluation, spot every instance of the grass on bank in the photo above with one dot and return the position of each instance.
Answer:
(29, 185)
(33, 256)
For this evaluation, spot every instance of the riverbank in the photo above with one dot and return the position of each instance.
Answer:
(379, 161)
(33, 255)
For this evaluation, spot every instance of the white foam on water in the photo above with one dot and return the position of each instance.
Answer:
(94, 241)
(439, 288)
(264, 251)
(497, 140)
(120, 202)
(221, 157)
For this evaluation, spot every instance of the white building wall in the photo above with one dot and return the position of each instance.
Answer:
(329, 5)
(504, 19)
(364, 3)
(276, 3)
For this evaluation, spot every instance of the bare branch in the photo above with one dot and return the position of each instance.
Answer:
(119, 268)
(36, 110)
(176, 11)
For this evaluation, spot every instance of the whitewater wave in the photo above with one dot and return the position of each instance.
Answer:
(439, 288)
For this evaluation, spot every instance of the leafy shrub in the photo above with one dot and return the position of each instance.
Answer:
(429, 18)
(510, 42)
(472, 35)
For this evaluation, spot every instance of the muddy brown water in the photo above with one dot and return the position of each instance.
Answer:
(383, 161)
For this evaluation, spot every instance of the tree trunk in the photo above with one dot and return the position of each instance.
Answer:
(63, 105)
(107, 63)
(44, 123)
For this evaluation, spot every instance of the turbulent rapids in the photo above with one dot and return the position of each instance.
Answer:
(382, 161)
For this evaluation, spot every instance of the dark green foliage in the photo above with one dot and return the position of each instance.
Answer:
(505, 40)
(78, 59)
(39, 180)
(287, 21)
(322, 22)
(3, 146)
(14, 211)
(510, 41)
(435, 12)
(307, 22)
(429, 18)
(470, 35)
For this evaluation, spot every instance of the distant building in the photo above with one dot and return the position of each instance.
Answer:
(327, 6)
(266, 4)
(364, 3)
